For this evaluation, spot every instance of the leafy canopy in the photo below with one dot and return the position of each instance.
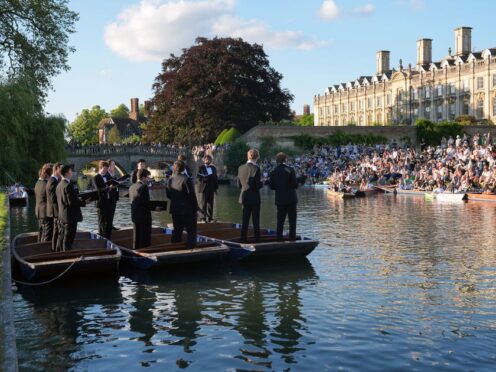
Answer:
(83, 129)
(34, 37)
(121, 111)
(213, 85)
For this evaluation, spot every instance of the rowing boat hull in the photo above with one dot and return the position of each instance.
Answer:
(451, 197)
(103, 260)
(340, 195)
(481, 197)
(286, 249)
(18, 202)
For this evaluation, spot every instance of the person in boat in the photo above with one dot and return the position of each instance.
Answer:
(250, 184)
(183, 205)
(283, 181)
(52, 206)
(113, 192)
(103, 204)
(141, 165)
(69, 209)
(40, 209)
(139, 195)
(208, 185)
(17, 191)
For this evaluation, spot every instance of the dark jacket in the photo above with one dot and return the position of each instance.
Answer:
(69, 203)
(100, 184)
(52, 206)
(283, 181)
(182, 195)
(139, 195)
(208, 183)
(40, 209)
(113, 192)
(249, 183)
(134, 176)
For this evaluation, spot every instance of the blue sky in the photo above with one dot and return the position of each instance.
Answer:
(313, 43)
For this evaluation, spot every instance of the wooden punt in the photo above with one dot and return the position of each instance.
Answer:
(385, 189)
(19, 202)
(162, 252)
(487, 197)
(340, 195)
(267, 247)
(449, 196)
(365, 193)
(90, 254)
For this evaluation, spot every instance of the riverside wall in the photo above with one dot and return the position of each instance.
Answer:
(283, 134)
(8, 350)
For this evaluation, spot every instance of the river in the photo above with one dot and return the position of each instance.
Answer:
(398, 282)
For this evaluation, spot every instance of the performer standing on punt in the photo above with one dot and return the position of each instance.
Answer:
(249, 182)
(103, 204)
(283, 181)
(207, 176)
(52, 206)
(183, 208)
(139, 195)
(69, 209)
(41, 202)
(113, 192)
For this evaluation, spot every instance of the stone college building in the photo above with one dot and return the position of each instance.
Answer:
(463, 83)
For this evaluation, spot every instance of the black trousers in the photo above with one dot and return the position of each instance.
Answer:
(184, 221)
(49, 229)
(56, 243)
(142, 234)
(104, 221)
(288, 210)
(207, 204)
(113, 205)
(253, 211)
(68, 234)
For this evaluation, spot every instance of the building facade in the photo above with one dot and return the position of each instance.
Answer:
(463, 83)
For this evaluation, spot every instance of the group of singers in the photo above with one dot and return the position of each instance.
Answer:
(58, 207)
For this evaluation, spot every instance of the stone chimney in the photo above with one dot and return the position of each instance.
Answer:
(147, 107)
(424, 52)
(463, 40)
(134, 113)
(382, 61)
(306, 109)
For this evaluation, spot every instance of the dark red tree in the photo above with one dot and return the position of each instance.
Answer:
(215, 84)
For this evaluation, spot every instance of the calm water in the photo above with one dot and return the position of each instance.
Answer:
(396, 283)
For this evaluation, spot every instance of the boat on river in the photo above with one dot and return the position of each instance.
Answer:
(365, 193)
(90, 254)
(162, 252)
(396, 190)
(19, 202)
(267, 247)
(340, 194)
(446, 196)
(486, 197)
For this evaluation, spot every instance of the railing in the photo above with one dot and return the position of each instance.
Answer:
(126, 149)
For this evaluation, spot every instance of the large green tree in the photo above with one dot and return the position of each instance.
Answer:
(34, 40)
(215, 84)
(121, 111)
(84, 127)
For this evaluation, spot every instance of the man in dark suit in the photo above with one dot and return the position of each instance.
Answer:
(141, 165)
(113, 192)
(69, 208)
(52, 206)
(103, 204)
(207, 177)
(183, 207)
(41, 202)
(283, 181)
(141, 215)
(249, 182)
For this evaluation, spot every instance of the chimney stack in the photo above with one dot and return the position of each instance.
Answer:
(306, 109)
(382, 61)
(424, 52)
(463, 40)
(134, 113)
(147, 106)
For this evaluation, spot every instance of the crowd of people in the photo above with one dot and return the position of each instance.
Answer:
(199, 151)
(459, 164)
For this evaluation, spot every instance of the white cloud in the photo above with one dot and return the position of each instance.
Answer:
(367, 9)
(154, 29)
(329, 10)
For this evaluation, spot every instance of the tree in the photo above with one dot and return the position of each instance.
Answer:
(215, 84)
(114, 135)
(34, 37)
(235, 156)
(84, 128)
(120, 111)
(305, 120)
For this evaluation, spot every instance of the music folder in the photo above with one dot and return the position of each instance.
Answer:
(158, 205)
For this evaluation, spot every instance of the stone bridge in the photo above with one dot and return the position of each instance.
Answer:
(125, 156)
